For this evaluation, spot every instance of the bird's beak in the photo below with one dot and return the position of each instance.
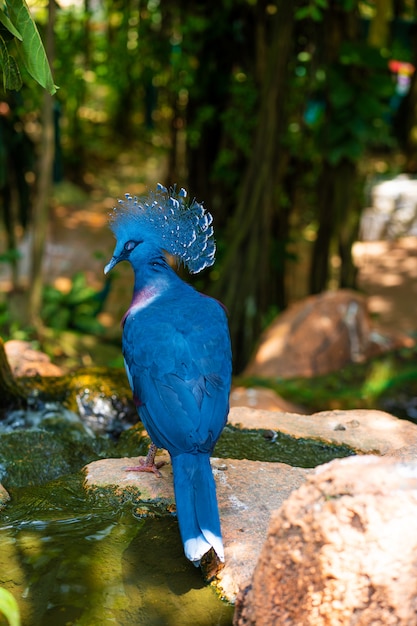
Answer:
(113, 261)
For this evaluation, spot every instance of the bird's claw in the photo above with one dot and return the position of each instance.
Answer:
(147, 467)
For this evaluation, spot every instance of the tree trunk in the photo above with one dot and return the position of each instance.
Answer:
(338, 225)
(338, 210)
(380, 26)
(41, 204)
(252, 277)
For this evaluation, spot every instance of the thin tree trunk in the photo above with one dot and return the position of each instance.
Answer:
(379, 29)
(338, 225)
(249, 281)
(41, 204)
(338, 211)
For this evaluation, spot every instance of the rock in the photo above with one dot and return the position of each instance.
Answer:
(244, 510)
(341, 550)
(318, 335)
(393, 213)
(248, 491)
(262, 398)
(25, 361)
(143, 487)
(407, 453)
(366, 431)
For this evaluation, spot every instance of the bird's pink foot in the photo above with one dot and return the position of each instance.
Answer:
(145, 467)
(148, 464)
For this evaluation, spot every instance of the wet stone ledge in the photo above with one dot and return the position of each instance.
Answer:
(249, 491)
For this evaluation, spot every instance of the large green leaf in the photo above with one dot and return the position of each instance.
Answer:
(9, 607)
(9, 25)
(31, 47)
(10, 69)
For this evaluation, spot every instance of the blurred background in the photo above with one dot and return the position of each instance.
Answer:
(294, 122)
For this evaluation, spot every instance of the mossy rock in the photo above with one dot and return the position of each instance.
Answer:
(37, 456)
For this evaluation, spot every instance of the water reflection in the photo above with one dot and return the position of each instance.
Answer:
(70, 560)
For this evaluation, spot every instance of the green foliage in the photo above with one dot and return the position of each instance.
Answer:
(312, 10)
(373, 384)
(76, 309)
(10, 256)
(9, 608)
(19, 32)
(10, 68)
(238, 122)
(359, 88)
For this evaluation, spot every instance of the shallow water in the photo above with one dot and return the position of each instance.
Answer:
(73, 560)
(77, 559)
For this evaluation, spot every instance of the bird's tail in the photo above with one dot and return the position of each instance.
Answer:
(197, 510)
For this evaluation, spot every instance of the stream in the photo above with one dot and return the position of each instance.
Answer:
(76, 558)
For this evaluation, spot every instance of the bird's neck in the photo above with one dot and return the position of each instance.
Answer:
(151, 280)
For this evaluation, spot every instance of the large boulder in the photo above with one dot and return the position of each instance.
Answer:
(340, 550)
(318, 335)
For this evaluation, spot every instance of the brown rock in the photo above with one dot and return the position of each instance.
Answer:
(406, 453)
(366, 431)
(318, 335)
(341, 550)
(262, 398)
(25, 361)
(247, 493)
(143, 486)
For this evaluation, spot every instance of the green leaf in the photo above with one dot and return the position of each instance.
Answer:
(316, 14)
(302, 13)
(7, 23)
(350, 150)
(31, 47)
(10, 69)
(9, 608)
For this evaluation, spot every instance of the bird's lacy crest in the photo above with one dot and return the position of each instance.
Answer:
(163, 216)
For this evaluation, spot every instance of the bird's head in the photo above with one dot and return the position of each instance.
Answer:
(158, 221)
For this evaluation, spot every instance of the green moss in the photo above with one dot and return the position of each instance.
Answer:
(96, 381)
(37, 456)
(253, 445)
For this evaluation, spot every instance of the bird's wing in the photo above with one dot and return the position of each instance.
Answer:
(179, 364)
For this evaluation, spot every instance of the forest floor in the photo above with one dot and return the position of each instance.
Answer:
(388, 277)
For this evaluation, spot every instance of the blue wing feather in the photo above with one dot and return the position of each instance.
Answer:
(178, 359)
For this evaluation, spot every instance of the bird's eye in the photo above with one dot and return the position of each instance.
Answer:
(130, 245)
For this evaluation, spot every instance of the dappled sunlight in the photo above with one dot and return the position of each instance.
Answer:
(388, 276)
(391, 280)
(379, 305)
(272, 345)
(74, 219)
